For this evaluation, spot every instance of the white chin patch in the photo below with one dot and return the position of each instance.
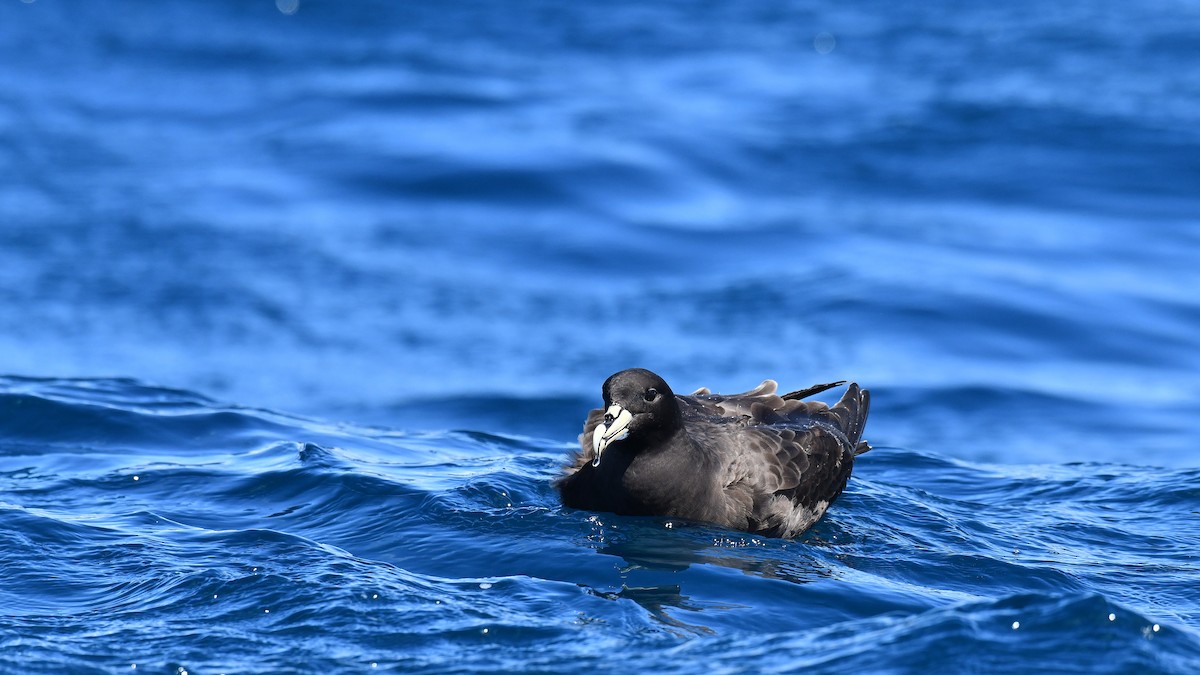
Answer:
(610, 432)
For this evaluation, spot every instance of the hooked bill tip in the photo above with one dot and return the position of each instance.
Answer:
(610, 432)
(598, 442)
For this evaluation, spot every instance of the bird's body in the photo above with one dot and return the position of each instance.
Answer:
(755, 461)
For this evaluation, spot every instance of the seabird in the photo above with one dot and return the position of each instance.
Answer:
(756, 461)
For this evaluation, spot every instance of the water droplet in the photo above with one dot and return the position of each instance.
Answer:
(375, 596)
(266, 611)
(288, 7)
(1016, 625)
(824, 43)
(214, 596)
(137, 477)
(1155, 628)
(1112, 617)
(485, 631)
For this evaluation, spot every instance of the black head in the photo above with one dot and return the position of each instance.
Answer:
(639, 409)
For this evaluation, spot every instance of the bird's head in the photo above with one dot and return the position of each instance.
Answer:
(639, 409)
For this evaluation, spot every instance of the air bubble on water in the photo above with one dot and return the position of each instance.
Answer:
(1112, 617)
(485, 631)
(1016, 625)
(288, 7)
(485, 585)
(137, 477)
(1155, 628)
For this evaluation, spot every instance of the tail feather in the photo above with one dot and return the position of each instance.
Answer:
(862, 445)
(852, 413)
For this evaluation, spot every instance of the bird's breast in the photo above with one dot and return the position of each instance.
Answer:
(661, 484)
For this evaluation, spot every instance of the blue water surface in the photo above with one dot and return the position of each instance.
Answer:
(302, 305)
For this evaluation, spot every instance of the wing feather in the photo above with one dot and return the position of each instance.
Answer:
(786, 459)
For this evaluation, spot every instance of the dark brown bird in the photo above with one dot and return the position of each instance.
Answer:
(755, 461)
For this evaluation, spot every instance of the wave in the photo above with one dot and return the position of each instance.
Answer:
(293, 541)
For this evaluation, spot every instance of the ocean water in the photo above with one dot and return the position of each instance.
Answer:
(302, 305)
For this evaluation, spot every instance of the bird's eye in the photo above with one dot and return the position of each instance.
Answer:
(651, 394)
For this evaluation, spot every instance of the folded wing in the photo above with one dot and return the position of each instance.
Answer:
(786, 459)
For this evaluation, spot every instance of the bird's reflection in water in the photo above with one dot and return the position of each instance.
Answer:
(645, 546)
(654, 551)
(656, 600)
